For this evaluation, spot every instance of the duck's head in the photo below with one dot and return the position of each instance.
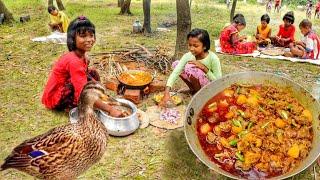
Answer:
(92, 92)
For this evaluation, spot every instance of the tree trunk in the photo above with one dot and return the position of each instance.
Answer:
(146, 12)
(183, 27)
(7, 14)
(233, 8)
(59, 4)
(125, 7)
(50, 3)
(120, 2)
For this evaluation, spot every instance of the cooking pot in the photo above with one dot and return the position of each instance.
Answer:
(122, 126)
(138, 86)
(213, 88)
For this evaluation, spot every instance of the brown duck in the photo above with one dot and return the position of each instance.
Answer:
(66, 151)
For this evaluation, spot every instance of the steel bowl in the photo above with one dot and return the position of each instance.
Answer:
(115, 126)
(121, 126)
(213, 88)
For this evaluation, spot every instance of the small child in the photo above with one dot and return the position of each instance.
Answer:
(309, 46)
(231, 42)
(70, 73)
(286, 32)
(197, 67)
(277, 5)
(316, 12)
(59, 21)
(263, 31)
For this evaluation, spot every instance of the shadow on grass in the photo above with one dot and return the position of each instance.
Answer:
(182, 163)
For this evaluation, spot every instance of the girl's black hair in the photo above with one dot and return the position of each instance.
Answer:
(202, 35)
(239, 19)
(51, 8)
(289, 17)
(305, 24)
(78, 26)
(265, 18)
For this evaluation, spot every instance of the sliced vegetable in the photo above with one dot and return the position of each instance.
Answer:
(205, 128)
(306, 113)
(284, 114)
(239, 156)
(241, 99)
(265, 125)
(250, 125)
(233, 142)
(294, 151)
(261, 109)
(214, 104)
(229, 115)
(290, 106)
(280, 123)
(236, 129)
(228, 93)
(242, 133)
(242, 114)
(253, 101)
(236, 122)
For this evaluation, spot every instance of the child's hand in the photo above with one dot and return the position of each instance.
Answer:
(199, 65)
(165, 99)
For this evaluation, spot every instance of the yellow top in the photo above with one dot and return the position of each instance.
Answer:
(60, 18)
(264, 32)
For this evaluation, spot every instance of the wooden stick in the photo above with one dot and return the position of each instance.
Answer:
(145, 49)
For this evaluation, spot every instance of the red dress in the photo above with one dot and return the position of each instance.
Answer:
(237, 47)
(65, 83)
(287, 32)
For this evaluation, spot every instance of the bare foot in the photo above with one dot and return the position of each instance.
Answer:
(318, 161)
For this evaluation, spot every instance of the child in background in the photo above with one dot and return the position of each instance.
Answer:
(277, 5)
(59, 21)
(231, 42)
(286, 32)
(263, 31)
(197, 67)
(316, 12)
(70, 73)
(309, 46)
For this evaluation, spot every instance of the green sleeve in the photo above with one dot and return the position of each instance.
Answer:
(214, 71)
(179, 68)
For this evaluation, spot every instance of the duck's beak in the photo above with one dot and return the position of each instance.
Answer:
(104, 97)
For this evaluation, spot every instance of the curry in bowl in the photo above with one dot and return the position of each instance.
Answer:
(135, 78)
(255, 131)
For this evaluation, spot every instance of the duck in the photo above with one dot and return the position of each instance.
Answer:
(67, 151)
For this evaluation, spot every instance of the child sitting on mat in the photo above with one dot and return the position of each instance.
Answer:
(286, 32)
(263, 31)
(309, 46)
(231, 42)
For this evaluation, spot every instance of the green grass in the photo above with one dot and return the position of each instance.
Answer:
(149, 153)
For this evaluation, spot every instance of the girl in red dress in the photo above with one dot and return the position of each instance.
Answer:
(70, 73)
(231, 42)
(286, 32)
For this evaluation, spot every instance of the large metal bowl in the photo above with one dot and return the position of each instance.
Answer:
(206, 93)
(115, 126)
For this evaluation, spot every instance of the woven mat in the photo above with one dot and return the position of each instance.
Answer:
(257, 54)
(154, 116)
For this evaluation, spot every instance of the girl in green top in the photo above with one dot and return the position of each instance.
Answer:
(197, 67)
